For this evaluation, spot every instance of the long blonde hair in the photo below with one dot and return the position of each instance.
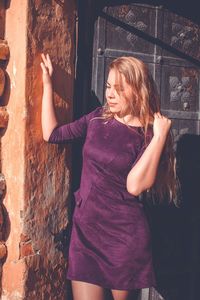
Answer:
(144, 102)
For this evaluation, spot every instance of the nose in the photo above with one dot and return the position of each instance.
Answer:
(110, 92)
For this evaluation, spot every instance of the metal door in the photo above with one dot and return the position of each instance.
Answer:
(169, 44)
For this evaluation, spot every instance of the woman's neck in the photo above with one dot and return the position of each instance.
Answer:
(128, 120)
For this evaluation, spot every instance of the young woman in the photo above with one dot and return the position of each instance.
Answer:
(127, 142)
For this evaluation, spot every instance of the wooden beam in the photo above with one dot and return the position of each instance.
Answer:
(2, 188)
(3, 117)
(4, 50)
(3, 250)
(2, 81)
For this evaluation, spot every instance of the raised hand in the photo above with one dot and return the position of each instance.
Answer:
(161, 125)
(47, 68)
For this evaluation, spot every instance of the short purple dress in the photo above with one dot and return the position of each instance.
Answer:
(110, 243)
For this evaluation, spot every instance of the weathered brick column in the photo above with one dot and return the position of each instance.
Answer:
(36, 173)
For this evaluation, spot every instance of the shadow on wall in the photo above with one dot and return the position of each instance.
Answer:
(175, 231)
(7, 3)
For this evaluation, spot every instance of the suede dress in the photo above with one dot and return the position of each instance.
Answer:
(110, 243)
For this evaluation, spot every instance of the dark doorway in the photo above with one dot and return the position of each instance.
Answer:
(167, 38)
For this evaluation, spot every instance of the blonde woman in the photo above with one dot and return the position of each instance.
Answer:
(125, 146)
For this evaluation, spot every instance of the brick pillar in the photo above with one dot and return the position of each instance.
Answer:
(36, 173)
(4, 57)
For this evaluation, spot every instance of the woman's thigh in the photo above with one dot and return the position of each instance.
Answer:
(125, 295)
(86, 291)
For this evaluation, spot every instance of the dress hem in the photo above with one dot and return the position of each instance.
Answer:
(137, 287)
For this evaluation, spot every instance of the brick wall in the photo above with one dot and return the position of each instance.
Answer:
(37, 174)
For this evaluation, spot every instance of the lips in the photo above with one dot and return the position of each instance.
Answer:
(110, 103)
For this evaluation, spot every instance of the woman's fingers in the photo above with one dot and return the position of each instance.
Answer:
(49, 64)
(44, 69)
(46, 64)
(48, 59)
(161, 124)
(44, 59)
(158, 115)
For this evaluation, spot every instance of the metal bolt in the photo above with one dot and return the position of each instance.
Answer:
(100, 51)
(186, 106)
(159, 59)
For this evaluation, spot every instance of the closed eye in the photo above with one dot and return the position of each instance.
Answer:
(118, 88)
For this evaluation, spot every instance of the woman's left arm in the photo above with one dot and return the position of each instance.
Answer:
(142, 176)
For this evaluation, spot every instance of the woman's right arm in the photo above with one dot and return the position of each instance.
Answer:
(52, 131)
(49, 121)
(143, 174)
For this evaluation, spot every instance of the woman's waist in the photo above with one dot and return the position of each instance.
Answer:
(113, 190)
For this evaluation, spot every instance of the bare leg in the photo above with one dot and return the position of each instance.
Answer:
(86, 291)
(125, 295)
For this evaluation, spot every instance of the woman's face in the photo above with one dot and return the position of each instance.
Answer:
(118, 92)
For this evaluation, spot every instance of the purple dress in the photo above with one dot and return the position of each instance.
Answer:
(110, 243)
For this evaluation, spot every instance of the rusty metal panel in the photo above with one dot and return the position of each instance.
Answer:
(182, 34)
(166, 36)
(116, 34)
(138, 17)
(169, 44)
(180, 88)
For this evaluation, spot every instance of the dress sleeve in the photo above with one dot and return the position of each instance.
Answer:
(76, 129)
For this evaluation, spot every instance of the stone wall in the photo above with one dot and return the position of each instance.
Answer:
(37, 174)
(4, 57)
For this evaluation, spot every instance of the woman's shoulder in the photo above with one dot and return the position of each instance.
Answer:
(97, 112)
